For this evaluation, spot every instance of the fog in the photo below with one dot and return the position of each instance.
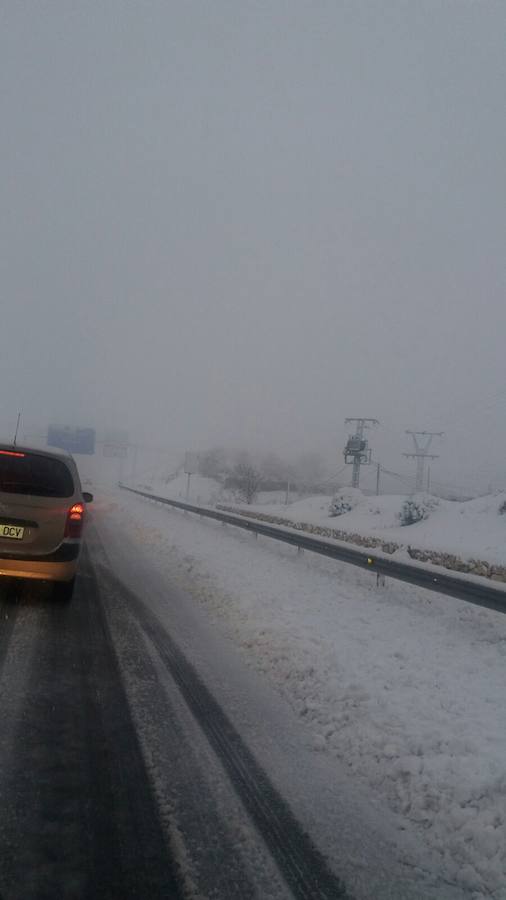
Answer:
(240, 222)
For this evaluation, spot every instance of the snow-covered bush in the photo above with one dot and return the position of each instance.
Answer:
(417, 508)
(344, 501)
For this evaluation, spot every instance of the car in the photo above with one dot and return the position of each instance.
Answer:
(42, 516)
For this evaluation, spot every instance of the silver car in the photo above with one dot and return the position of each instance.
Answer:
(42, 515)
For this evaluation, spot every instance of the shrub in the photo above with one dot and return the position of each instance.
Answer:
(344, 501)
(417, 508)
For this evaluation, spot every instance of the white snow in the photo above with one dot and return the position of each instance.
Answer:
(204, 491)
(472, 530)
(407, 688)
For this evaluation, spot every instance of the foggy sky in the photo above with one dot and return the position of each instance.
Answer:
(240, 222)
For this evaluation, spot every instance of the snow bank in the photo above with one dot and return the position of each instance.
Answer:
(468, 536)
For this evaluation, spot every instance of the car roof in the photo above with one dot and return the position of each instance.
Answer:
(53, 452)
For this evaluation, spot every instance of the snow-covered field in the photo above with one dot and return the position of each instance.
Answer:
(407, 688)
(471, 530)
(205, 491)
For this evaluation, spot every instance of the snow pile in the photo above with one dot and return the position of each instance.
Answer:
(407, 689)
(344, 501)
(417, 508)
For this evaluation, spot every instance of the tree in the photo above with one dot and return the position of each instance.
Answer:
(247, 479)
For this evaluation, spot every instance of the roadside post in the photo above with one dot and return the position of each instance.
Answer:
(191, 467)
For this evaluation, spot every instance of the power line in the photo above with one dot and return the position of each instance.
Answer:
(399, 477)
(333, 476)
(396, 475)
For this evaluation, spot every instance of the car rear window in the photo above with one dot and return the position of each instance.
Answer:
(39, 476)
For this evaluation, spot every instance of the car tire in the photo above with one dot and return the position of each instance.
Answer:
(63, 590)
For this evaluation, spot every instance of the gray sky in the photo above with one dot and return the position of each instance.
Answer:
(243, 221)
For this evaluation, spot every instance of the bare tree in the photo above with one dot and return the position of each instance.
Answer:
(247, 479)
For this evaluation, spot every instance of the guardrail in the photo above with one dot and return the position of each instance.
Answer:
(469, 589)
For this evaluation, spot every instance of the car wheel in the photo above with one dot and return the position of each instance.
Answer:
(63, 590)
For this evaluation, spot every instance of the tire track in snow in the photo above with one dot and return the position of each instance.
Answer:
(79, 818)
(303, 867)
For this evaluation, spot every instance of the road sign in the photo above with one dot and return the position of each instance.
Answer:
(74, 440)
(115, 451)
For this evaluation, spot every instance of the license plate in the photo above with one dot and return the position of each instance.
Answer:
(15, 532)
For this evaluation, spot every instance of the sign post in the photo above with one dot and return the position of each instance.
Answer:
(191, 467)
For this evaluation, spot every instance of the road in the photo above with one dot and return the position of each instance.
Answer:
(138, 760)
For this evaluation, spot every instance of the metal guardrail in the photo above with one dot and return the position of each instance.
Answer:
(452, 585)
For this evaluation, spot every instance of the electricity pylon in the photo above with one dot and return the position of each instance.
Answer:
(422, 441)
(357, 452)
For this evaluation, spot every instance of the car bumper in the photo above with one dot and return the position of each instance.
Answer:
(37, 570)
(61, 565)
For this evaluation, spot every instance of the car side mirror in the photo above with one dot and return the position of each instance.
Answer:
(87, 497)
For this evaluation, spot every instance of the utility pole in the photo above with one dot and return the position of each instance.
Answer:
(378, 470)
(134, 461)
(357, 452)
(422, 441)
(191, 467)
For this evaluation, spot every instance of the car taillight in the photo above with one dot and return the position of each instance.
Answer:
(75, 521)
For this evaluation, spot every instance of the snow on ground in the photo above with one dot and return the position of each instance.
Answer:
(407, 687)
(205, 491)
(473, 529)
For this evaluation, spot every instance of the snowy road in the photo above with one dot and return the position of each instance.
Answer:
(78, 816)
(141, 755)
